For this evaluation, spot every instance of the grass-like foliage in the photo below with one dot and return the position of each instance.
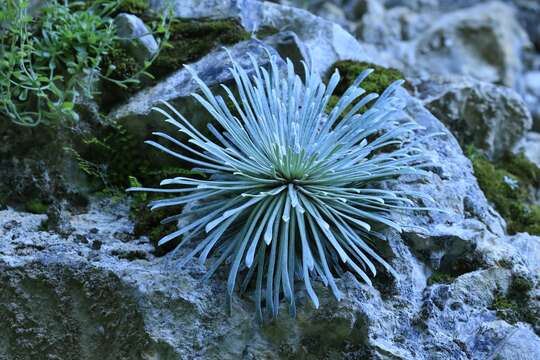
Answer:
(291, 190)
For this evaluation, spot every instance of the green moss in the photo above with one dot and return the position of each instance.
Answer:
(136, 7)
(191, 40)
(36, 207)
(124, 66)
(522, 168)
(148, 222)
(119, 65)
(266, 31)
(503, 303)
(520, 286)
(511, 201)
(376, 82)
(118, 153)
(440, 278)
(515, 305)
(349, 70)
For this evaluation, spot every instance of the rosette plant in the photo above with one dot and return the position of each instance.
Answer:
(291, 194)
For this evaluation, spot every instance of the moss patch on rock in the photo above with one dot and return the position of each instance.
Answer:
(440, 278)
(36, 207)
(505, 185)
(123, 67)
(523, 168)
(349, 70)
(376, 82)
(266, 31)
(135, 7)
(514, 305)
(191, 40)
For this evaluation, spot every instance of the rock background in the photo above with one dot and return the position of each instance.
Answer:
(79, 283)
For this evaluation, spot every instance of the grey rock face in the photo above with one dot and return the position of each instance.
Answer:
(114, 295)
(484, 42)
(530, 145)
(36, 165)
(515, 343)
(391, 29)
(68, 298)
(325, 41)
(136, 37)
(527, 11)
(347, 9)
(490, 117)
(528, 14)
(288, 45)
(98, 292)
(532, 96)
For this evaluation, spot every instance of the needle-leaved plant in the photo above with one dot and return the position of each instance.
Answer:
(291, 194)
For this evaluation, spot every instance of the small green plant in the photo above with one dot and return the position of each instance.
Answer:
(289, 196)
(48, 61)
(44, 60)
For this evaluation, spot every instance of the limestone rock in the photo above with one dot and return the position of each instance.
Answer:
(530, 145)
(532, 96)
(490, 117)
(484, 42)
(92, 290)
(391, 28)
(325, 41)
(195, 9)
(288, 45)
(136, 37)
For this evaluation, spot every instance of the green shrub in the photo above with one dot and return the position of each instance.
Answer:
(47, 62)
(51, 59)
